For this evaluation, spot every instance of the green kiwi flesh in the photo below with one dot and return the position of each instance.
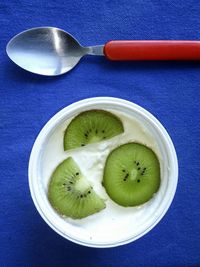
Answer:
(131, 174)
(90, 127)
(70, 194)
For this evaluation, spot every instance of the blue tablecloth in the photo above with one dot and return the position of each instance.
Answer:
(171, 91)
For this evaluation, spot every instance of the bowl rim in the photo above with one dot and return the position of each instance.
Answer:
(57, 118)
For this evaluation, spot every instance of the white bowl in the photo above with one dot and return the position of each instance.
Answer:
(107, 235)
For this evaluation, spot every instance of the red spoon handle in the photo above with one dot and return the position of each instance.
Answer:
(152, 50)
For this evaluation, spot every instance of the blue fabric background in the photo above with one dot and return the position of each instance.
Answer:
(171, 91)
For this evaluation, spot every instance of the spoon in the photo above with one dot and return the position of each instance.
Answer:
(51, 51)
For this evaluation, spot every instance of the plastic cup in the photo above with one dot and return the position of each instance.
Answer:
(107, 236)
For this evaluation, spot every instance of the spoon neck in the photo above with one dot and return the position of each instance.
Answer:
(94, 50)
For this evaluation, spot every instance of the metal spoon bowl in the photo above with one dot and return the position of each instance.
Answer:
(47, 51)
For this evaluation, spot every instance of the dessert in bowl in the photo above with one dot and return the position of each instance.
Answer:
(94, 162)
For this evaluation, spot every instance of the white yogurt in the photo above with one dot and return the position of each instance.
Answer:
(114, 222)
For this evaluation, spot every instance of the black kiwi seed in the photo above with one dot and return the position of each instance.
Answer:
(82, 144)
(89, 192)
(127, 175)
(86, 135)
(124, 179)
(81, 196)
(77, 173)
(137, 163)
(96, 131)
(123, 170)
(138, 180)
(138, 168)
(64, 184)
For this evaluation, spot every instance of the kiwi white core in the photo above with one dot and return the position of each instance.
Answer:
(114, 223)
(133, 174)
(82, 184)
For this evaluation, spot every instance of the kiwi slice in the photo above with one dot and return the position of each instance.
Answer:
(131, 174)
(90, 127)
(70, 194)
